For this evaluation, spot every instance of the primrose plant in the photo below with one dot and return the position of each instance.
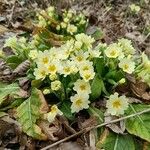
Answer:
(74, 71)
(77, 72)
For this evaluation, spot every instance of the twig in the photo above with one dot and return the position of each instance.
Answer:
(94, 127)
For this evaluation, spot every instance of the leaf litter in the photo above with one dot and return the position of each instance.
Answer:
(113, 25)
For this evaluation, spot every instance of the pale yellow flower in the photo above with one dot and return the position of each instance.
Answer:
(85, 39)
(79, 57)
(94, 53)
(134, 8)
(126, 46)
(145, 61)
(54, 53)
(50, 9)
(67, 68)
(63, 25)
(79, 102)
(58, 27)
(53, 77)
(53, 113)
(46, 91)
(78, 45)
(82, 87)
(86, 66)
(113, 51)
(127, 65)
(55, 85)
(71, 29)
(53, 67)
(43, 58)
(33, 54)
(42, 22)
(116, 105)
(40, 72)
(87, 75)
(66, 20)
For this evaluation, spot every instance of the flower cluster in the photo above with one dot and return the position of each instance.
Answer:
(69, 23)
(70, 70)
(124, 52)
(73, 58)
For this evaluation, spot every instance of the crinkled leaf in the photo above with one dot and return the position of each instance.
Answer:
(6, 90)
(140, 124)
(113, 141)
(28, 113)
(96, 87)
(13, 61)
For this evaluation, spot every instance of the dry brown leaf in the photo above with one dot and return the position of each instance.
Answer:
(66, 125)
(87, 123)
(44, 106)
(103, 137)
(139, 89)
(68, 146)
(22, 68)
(146, 146)
(92, 139)
(118, 127)
(51, 130)
(134, 100)
(136, 36)
(3, 29)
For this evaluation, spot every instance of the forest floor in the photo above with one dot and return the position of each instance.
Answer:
(113, 17)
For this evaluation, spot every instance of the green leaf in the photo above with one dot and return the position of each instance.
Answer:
(28, 113)
(97, 113)
(96, 87)
(113, 141)
(140, 124)
(66, 109)
(100, 66)
(6, 90)
(13, 61)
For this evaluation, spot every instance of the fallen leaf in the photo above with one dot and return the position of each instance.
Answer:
(103, 137)
(3, 29)
(118, 127)
(51, 130)
(139, 89)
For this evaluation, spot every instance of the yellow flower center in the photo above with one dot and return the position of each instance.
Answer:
(52, 68)
(113, 53)
(87, 76)
(82, 87)
(53, 109)
(79, 58)
(43, 72)
(85, 68)
(78, 102)
(67, 69)
(116, 104)
(45, 60)
(126, 67)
